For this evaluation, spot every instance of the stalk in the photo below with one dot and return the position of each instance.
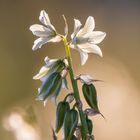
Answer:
(75, 89)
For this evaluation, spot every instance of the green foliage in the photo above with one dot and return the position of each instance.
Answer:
(90, 125)
(70, 123)
(53, 74)
(90, 95)
(61, 110)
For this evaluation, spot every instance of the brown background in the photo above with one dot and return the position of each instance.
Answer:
(119, 97)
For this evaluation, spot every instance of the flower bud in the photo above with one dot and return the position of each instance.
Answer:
(61, 110)
(93, 112)
(70, 98)
(90, 95)
(50, 87)
(70, 124)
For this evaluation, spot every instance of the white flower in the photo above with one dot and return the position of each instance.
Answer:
(46, 33)
(85, 40)
(42, 75)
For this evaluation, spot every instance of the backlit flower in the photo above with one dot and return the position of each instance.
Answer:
(46, 33)
(42, 75)
(85, 40)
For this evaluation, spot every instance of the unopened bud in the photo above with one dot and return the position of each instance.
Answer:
(70, 98)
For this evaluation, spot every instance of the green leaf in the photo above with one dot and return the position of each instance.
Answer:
(90, 95)
(70, 123)
(61, 110)
(90, 125)
(51, 87)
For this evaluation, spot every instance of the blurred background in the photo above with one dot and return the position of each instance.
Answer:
(23, 118)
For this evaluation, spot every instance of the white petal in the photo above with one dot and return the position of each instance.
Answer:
(45, 102)
(40, 30)
(49, 62)
(77, 26)
(88, 27)
(44, 18)
(84, 57)
(72, 46)
(97, 37)
(43, 71)
(39, 42)
(56, 39)
(54, 100)
(86, 79)
(46, 59)
(91, 48)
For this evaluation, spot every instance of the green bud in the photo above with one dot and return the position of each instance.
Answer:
(51, 87)
(61, 110)
(90, 125)
(70, 124)
(90, 95)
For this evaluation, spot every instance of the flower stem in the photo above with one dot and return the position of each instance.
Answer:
(75, 89)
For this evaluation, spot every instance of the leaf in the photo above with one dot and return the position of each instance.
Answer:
(70, 123)
(90, 95)
(90, 125)
(61, 110)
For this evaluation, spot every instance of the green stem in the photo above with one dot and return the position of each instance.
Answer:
(75, 89)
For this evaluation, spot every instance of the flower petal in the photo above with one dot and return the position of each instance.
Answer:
(40, 30)
(43, 71)
(77, 26)
(39, 42)
(49, 62)
(44, 18)
(97, 37)
(87, 79)
(84, 57)
(56, 39)
(90, 48)
(88, 27)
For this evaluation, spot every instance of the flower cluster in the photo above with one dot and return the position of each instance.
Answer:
(53, 75)
(84, 39)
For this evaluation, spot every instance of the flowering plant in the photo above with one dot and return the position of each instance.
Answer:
(72, 118)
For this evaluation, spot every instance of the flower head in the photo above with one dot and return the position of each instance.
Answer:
(85, 40)
(43, 73)
(46, 33)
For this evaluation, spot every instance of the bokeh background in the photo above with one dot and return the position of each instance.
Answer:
(21, 117)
